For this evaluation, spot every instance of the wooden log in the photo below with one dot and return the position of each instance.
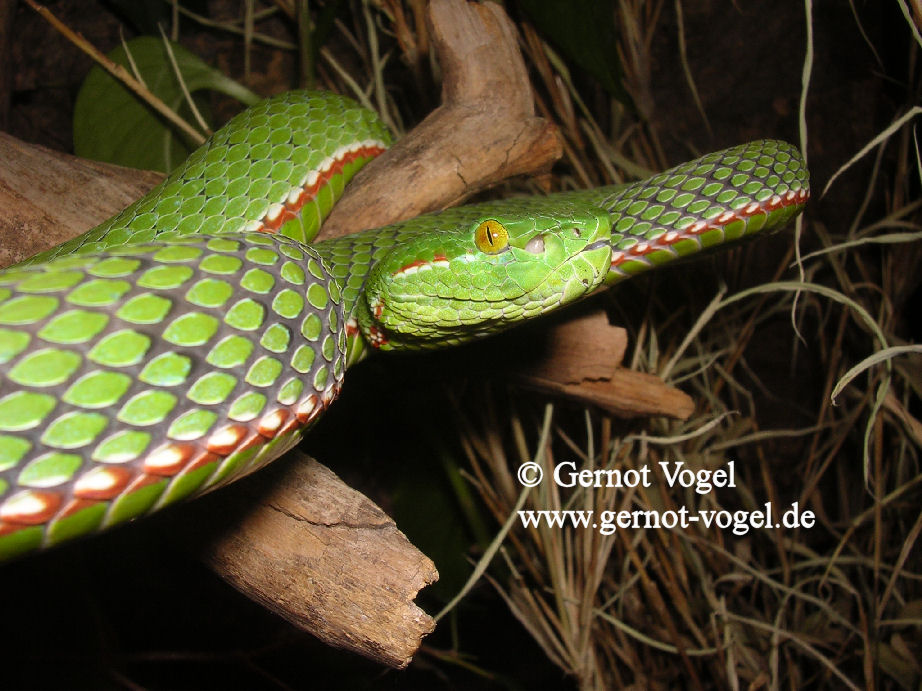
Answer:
(323, 556)
(580, 359)
(48, 197)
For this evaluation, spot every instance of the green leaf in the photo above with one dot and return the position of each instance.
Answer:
(584, 32)
(112, 124)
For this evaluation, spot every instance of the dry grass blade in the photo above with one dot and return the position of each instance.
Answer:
(235, 28)
(876, 141)
(880, 356)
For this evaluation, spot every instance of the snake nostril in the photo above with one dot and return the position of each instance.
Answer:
(535, 245)
(577, 233)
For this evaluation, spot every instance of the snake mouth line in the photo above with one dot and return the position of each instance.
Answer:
(438, 260)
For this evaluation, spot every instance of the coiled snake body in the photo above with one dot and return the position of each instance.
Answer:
(193, 338)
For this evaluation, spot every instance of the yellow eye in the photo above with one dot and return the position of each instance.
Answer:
(491, 237)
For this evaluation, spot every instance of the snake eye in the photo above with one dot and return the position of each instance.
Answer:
(491, 237)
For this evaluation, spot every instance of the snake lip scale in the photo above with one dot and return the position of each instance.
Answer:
(171, 349)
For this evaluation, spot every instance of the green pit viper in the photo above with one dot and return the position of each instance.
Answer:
(195, 336)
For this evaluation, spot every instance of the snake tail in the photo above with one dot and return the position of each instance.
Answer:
(711, 202)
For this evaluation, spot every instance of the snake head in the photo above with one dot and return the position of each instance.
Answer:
(479, 269)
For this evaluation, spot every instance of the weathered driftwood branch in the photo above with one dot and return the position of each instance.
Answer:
(580, 359)
(301, 542)
(485, 130)
(47, 197)
(309, 547)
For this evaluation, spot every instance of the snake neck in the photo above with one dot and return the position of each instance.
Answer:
(350, 259)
